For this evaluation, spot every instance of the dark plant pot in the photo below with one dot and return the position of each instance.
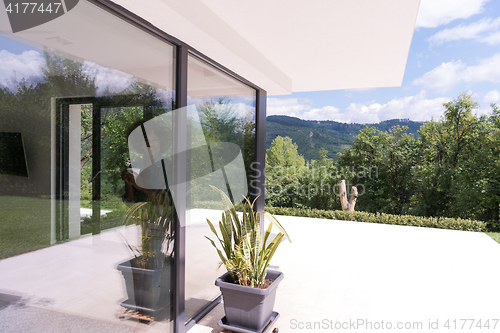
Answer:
(147, 289)
(248, 307)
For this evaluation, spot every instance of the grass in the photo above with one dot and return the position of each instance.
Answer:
(110, 220)
(25, 224)
(494, 235)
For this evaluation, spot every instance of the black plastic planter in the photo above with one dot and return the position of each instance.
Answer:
(147, 289)
(247, 307)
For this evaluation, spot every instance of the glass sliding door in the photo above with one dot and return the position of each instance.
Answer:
(94, 152)
(75, 88)
(222, 113)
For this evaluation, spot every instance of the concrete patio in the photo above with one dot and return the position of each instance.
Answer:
(339, 276)
(344, 272)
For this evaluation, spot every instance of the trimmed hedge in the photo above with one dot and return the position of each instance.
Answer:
(408, 220)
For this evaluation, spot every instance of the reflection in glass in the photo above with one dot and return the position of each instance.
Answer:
(224, 108)
(74, 105)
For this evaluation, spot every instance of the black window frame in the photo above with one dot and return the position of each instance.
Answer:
(182, 51)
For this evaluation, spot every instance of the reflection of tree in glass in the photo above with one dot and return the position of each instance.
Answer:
(146, 103)
(116, 121)
(138, 102)
(221, 122)
(25, 107)
(67, 77)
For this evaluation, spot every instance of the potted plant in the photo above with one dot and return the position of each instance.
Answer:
(147, 274)
(248, 288)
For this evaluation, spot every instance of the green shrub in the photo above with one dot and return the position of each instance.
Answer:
(408, 220)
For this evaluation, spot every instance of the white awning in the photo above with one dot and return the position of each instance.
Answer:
(289, 46)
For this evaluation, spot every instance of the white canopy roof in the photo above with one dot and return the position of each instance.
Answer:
(289, 46)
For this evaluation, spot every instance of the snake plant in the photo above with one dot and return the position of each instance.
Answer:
(155, 217)
(244, 252)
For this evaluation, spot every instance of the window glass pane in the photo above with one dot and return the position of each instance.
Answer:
(221, 112)
(71, 91)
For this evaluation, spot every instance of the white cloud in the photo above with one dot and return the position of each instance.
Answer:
(492, 39)
(491, 97)
(108, 78)
(240, 107)
(14, 67)
(487, 70)
(484, 30)
(433, 13)
(441, 78)
(485, 108)
(325, 113)
(417, 108)
(360, 113)
(292, 107)
(114, 83)
(448, 74)
(243, 110)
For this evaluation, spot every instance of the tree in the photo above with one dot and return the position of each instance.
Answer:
(476, 187)
(318, 184)
(460, 123)
(283, 167)
(220, 122)
(432, 176)
(449, 172)
(68, 78)
(283, 154)
(293, 182)
(382, 162)
(492, 169)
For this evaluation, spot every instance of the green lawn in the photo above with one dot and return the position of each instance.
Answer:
(494, 235)
(24, 225)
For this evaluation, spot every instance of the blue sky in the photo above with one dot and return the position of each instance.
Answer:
(455, 48)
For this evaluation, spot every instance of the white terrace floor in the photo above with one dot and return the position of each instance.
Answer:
(359, 276)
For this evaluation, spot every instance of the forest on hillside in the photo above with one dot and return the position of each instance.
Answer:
(450, 168)
(312, 136)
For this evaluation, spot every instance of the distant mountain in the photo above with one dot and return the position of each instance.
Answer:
(312, 135)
